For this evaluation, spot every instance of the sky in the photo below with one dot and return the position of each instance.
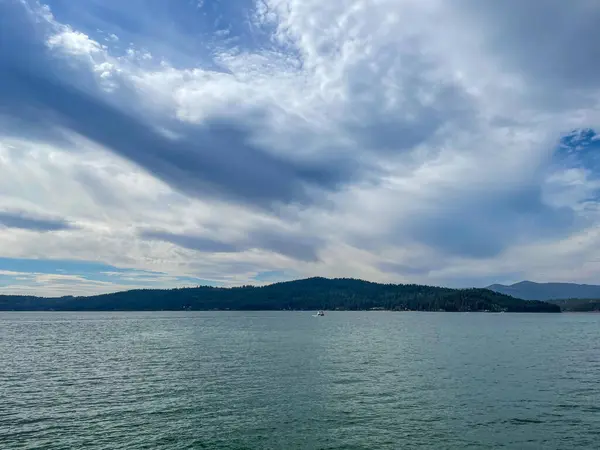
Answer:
(164, 143)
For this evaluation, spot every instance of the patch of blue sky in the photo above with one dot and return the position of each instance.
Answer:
(56, 266)
(580, 149)
(19, 270)
(186, 33)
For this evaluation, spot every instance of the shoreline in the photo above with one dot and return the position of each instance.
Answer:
(284, 310)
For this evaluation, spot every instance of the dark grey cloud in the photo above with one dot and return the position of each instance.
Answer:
(483, 224)
(217, 159)
(553, 43)
(303, 247)
(300, 247)
(30, 222)
(403, 269)
(189, 241)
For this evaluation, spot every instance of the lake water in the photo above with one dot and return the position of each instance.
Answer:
(287, 380)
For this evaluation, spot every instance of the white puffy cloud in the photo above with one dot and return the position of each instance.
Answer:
(407, 141)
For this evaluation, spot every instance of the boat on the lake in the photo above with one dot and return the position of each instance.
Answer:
(320, 313)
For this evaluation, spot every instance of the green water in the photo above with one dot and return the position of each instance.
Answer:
(287, 380)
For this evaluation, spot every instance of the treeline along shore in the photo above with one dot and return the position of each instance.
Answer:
(344, 294)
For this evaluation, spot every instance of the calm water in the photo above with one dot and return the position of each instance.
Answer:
(287, 380)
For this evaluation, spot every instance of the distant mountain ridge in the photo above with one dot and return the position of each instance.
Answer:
(529, 290)
(308, 294)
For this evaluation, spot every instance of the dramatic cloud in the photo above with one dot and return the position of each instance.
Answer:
(438, 142)
(288, 244)
(26, 222)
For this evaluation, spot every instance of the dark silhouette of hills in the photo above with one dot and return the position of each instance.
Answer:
(528, 290)
(308, 294)
(577, 304)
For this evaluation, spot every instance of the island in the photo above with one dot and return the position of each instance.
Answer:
(316, 293)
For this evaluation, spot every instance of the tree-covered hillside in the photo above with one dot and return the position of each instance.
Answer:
(308, 294)
(577, 304)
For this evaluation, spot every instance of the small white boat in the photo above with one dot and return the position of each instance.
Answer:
(320, 313)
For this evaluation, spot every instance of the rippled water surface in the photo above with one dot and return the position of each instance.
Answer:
(287, 380)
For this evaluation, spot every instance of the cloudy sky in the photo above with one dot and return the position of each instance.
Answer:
(183, 142)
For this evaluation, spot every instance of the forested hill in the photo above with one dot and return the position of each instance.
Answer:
(308, 294)
(577, 304)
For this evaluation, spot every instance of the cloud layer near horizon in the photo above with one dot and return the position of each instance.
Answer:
(435, 142)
